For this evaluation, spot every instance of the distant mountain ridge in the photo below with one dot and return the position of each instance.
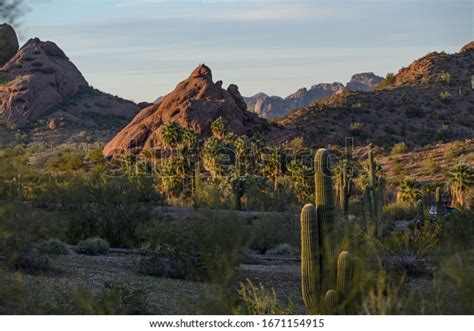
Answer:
(427, 102)
(276, 107)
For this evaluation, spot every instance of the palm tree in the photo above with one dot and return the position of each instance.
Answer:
(272, 166)
(218, 128)
(172, 134)
(241, 150)
(409, 191)
(461, 183)
(300, 178)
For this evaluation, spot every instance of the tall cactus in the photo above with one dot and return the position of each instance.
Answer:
(374, 199)
(310, 258)
(325, 213)
(322, 292)
(344, 189)
(380, 202)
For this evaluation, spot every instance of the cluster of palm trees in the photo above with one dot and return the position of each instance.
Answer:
(240, 161)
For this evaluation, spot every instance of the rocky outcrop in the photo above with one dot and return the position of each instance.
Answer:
(39, 84)
(41, 77)
(195, 102)
(364, 82)
(8, 43)
(267, 106)
(303, 97)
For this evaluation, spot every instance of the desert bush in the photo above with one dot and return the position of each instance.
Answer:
(431, 167)
(271, 230)
(388, 81)
(384, 295)
(446, 78)
(53, 247)
(399, 148)
(93, 246)
(458, 268)
(31, 263)
(257, 300)
(208, 245)
(355, 128)
(68, 161)
(453, 151)
(282, 249)
(21, 228)
(111, 208)
(119, 299)
(417, 241)
(445, 96)
(458, 233)
(399, 211)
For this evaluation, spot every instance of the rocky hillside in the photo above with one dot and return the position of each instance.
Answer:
(41, 89)
(429, 101)
(272, 107)
(195, 102)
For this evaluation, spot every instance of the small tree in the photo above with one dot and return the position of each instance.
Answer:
(461, 183)
(11, 10)
(409, 191)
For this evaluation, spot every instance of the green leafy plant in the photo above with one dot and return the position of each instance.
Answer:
(94, 246)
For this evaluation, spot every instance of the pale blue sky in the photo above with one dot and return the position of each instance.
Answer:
(140, 49)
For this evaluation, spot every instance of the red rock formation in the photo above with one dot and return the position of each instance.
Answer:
(41, 77)
(195, 102)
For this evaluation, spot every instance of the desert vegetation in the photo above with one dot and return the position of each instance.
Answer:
(216, 221)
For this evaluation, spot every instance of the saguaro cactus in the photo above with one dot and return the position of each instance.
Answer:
(321, 291)
(374, 199)
(310, 258)
(325, 212)
(344, 189)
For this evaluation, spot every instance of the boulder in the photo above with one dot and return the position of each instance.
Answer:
(8, 43)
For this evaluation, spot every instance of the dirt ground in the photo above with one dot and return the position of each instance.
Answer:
(78, 273)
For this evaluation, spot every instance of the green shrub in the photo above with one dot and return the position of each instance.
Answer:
(398, 212)
(53, 247)
(431, 167)
(388, 81)
(356, 128)
(168, 262)
(399, 148)
(31, 263)
(257, 300)
(271, 230)
(445, 96)
(446, 78)
(207, 247)
(95, 246)
(282, 249)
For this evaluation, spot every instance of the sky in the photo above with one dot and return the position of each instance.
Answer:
(140, 49)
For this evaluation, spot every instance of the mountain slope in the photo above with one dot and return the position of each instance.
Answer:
(195, 102)
(429, 101)
(41, 89)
